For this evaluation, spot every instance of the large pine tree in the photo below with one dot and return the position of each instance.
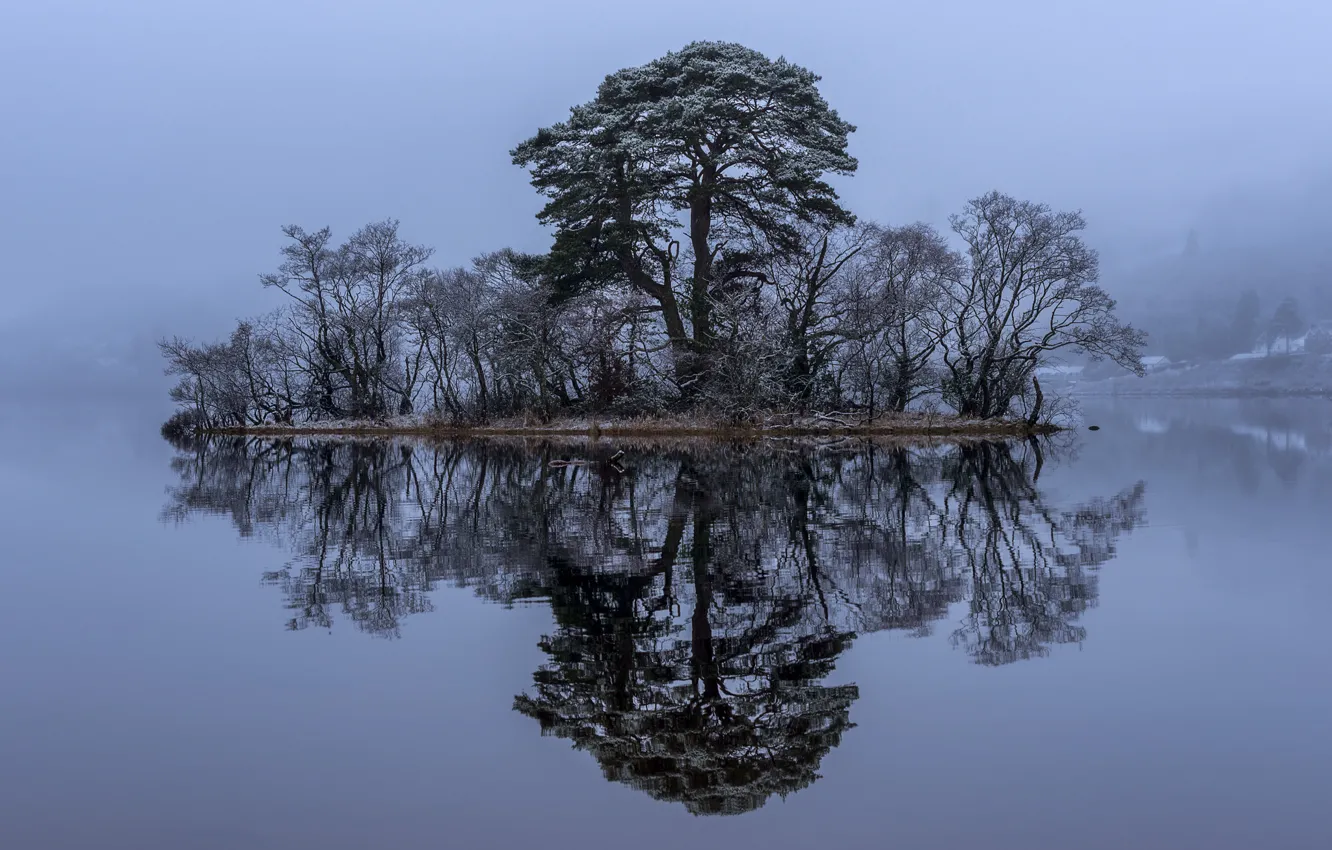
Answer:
(715, 147)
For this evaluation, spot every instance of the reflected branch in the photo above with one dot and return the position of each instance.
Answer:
(702, 594)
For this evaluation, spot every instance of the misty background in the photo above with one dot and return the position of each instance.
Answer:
(150, 152)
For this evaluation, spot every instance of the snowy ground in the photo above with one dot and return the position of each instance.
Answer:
(1279, 374)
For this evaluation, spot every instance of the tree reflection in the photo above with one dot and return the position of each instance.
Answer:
(719, 707)
(1030, 568)
(701, 593)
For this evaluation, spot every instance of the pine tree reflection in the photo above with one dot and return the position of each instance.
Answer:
(702, 594)
(720, 707)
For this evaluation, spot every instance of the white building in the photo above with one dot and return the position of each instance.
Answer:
(1155, 363)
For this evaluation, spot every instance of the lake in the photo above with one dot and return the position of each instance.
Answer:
(1110, 639)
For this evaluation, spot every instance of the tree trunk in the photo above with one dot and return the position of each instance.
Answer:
(481, 385)
(1040, 457)
(703, 656)
(700, 286)
(1035, 415)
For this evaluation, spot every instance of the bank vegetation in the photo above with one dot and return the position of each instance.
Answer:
(702, 271)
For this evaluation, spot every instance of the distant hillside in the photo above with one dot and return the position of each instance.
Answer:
(1296, 374)
(1271, 241)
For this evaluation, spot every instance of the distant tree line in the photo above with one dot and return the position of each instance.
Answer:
(700, 262)
(1217, 330)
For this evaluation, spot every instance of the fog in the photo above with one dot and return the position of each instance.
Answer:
(150, 152)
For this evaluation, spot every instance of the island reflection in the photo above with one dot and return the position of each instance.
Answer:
(702, 593)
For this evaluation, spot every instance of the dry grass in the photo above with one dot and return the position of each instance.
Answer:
(907, 425)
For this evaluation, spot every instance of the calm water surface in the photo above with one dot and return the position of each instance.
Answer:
(1115, 640)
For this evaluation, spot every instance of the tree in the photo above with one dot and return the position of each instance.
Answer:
(432, 317)
(716, 134)
(814, 285)
(530, 337)
(911, 268)
(1031, 567)
(247, 380)
(472, 308)
(349, 303)
(747, 358)
(1244, 327)
(209, 382)
(1286, 323)
(1029, 292)
(717, 710)
(701, 600)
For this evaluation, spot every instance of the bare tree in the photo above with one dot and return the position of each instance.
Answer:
(870, 317)
(349, 302)
(909, 271)
(812, 284)
(306, 275)
(473, 327)
(748, 360)
(1029, 292)
(429, 318)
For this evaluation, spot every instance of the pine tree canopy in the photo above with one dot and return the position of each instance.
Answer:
(716, 138)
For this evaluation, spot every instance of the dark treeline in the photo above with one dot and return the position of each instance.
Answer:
(700, 263)
(701, 594)
(1216, 328)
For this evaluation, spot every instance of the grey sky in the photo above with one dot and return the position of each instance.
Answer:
(149, 151)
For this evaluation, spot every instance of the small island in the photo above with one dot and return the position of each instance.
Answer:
(926, 426)
(704, 278)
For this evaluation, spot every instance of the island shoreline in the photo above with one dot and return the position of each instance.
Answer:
(910, 428)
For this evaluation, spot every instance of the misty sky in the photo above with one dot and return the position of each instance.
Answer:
(150, 150)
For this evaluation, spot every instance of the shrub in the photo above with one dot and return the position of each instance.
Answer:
(183, 424)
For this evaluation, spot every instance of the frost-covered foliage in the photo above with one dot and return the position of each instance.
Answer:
(715, 147)
(701, 262)
(341, 348)
(860, 319)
